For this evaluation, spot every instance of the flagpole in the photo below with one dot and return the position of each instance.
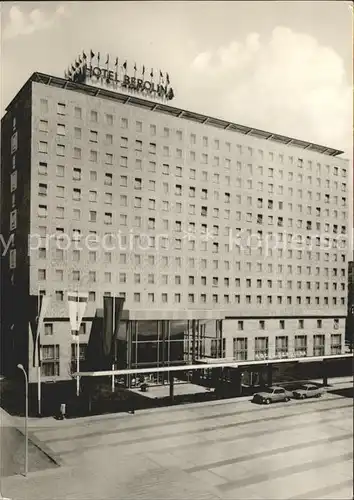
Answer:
(39, 382)
(77, 347)
(114, 316)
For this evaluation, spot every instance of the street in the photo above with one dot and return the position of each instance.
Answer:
(222, 450)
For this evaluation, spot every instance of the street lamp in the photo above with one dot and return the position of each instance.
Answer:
(26, 419)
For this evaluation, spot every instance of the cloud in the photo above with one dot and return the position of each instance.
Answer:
(289, 84)
(21, 24)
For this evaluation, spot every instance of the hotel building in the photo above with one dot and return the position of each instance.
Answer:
(226, 241)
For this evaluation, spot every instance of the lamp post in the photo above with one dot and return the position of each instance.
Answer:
(26, 418)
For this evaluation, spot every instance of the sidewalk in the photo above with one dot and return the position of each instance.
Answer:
(36, 422)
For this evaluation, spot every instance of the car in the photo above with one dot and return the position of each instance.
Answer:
(272, 395)
(308, 391)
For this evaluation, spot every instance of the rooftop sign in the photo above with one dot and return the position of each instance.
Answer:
(153, 84)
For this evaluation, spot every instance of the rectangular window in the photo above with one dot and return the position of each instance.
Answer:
(43, 147)
(300, 345)
(42, 211)
(336, 343)
(240, 348)
(61, 108)
(108, 218)
(60, 129)
(94, 116)
(109, 158)
(281, 346)
(108, 179)
(261, 348)
(318, 345)
(77, 133)
(43, 125)
(92, 216)
(77, 153)
(44, 106)
(93, 156)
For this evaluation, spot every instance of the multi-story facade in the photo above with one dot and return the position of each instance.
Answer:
(233, 237)
(349, 330)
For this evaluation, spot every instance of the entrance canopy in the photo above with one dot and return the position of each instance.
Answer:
(214, 363)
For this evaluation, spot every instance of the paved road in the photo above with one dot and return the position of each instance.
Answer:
(234, 450)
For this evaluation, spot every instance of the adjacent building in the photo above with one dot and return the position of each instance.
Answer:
(225, 241)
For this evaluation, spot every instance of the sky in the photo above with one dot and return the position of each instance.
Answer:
(285, 67)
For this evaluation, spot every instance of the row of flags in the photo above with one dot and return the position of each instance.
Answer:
(82, 59)
(104, 332)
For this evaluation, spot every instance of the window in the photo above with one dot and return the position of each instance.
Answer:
(93, 136)
(44, 106)
(42, 189)
(108, 218)
(93, 196)
(261, 348)
(336, 343)
(92, 216)
(42, 211)
(94, 116)
(77, 153)
(43, 147)
(300, 345)
(42, 168)
(240, 348)
(41, 274)
(281, 346)
(93, 156)
(77, 194)
(137, 183)
(109, 119)
(318, 345)
(43, 126)
(109, 159)
(108, 179)
(48, 328)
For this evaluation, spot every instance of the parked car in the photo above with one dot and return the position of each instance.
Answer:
(308, 391)
(272, 395)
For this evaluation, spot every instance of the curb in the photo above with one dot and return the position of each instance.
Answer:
(53, 457)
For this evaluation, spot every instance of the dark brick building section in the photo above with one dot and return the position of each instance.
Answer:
(15, 284)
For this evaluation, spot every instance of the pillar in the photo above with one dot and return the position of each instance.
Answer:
(171, 377)
(270, 374)
(324, 373)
